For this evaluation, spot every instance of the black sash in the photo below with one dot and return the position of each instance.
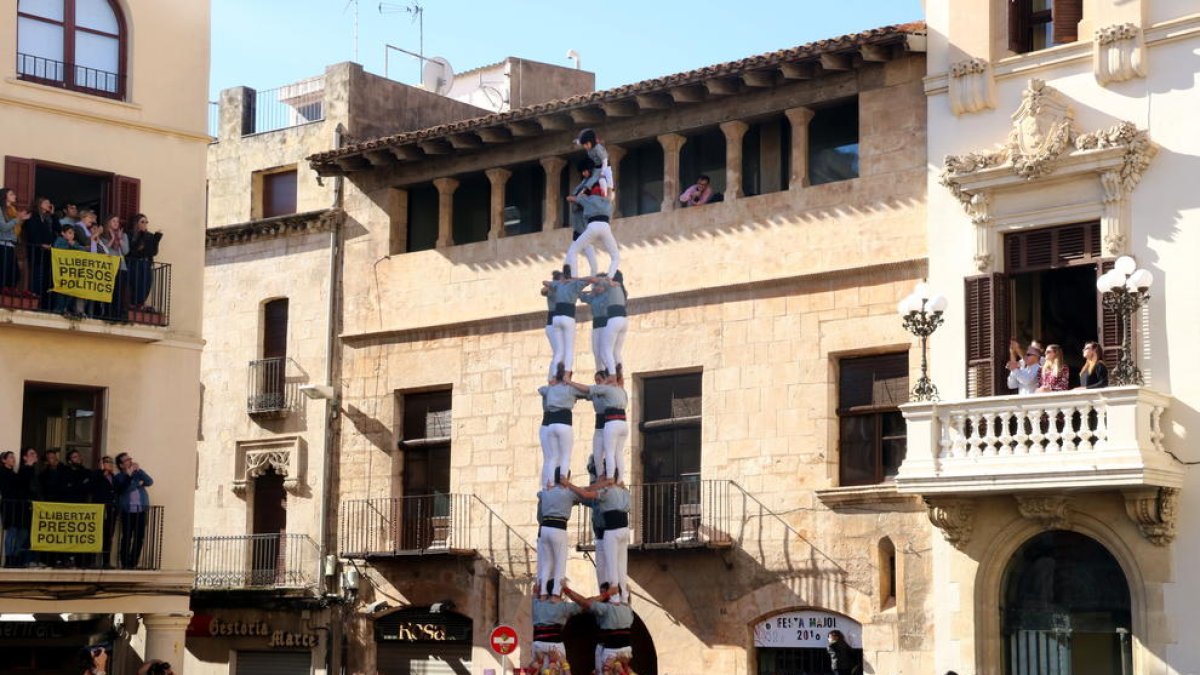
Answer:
(615, 639)
(564, 309)
(556, 417)
(615, 519)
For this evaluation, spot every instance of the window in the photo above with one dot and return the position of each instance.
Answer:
(472, 209)
(279, 193)
(833, 143)
(887, 574)
(268, 375)
(524, 194)
(103, 192)
(670, 498)
(766, 157)
(75, 44)
(640, 180)
(872, 439)
(64, 418)
(422, 232)
(1038, 24)
(703, 155)
(424, 507)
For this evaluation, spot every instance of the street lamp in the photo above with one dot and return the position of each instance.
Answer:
(1126, 287)
(922, 314)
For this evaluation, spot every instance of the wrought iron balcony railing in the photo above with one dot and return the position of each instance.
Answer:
(128, 540)
(684, 514)
(271, 390)
(70, 76)
(257, 562)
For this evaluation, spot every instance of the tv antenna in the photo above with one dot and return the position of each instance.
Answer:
(418, 16)
(355, 3)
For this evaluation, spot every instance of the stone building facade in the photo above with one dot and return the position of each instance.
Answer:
(1065, 147)
(114, 128)
(764, 360)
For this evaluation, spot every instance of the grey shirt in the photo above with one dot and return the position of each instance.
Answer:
(610, 616)
(566, 291)
(610, 396)
(594, 206)
(616, 294)
(613, 498)
(548, 613)
(598, 301)
(555, 502)
(559, 397)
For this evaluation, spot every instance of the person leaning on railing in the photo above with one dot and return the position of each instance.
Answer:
(1093, 374)
(104, 491)
(39, 231)
(16, 489)
(10, 235)
(1055, 375)
(143, 247)
(118, 244)
(134, 504)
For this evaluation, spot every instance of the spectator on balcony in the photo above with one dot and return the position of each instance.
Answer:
(65, 304)
(143, 248)
(52, 480)
(40, 231)
(78, 487)
(10, 236)
(133, 503)
(597, 212)
(118, 244)
(1055, 375)
(1093, 374)
(700, 193)
(104, 491)
(1023, 374)
(70, 216)
(14, 509)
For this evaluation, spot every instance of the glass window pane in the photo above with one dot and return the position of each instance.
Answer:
(50, 9)
(833, 144)
(38, 40)
(857, 448)
(97, 52)
(97, 15)
(893, 455)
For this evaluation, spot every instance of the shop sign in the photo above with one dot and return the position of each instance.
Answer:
(282, 638)
(806, 629)
(37, 630)
(206, 625)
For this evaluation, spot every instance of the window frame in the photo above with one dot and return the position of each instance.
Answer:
(69, 72)
(876, 412)
(267, 195)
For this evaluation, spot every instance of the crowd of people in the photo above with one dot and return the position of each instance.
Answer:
(26, 239)
(1037, 369)
(590, 205)
(120, 485)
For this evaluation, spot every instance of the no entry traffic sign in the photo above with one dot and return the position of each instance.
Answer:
(503, 640)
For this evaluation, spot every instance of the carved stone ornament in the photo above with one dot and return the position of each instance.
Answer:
(1155, 512)
(1049, 511)
(954, 517)
(1139, 150)
(256, 458)
(971, 86)
(1042, 130)
(1118, 53)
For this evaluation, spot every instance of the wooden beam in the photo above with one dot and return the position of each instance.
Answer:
(525, 128)
(654, 101)
(688, 93)
(797, 71)
(759, 78)
(495, 135)
(556, 122)
(407, 153)
(435, 146)
(875, 53)
(381, 158)
(625, 108)
(465, 141)
(588, 115)
(722, 86)
(351, 163)
(835, 62)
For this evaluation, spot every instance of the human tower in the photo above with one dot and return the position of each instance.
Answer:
(590, 203)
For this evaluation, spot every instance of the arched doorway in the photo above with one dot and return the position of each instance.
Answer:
(579, 636)
(1066, 609)
(796, 642)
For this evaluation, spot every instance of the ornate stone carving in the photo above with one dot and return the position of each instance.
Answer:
(1155, 512)
(972, 87)
(983, 261)
(1139, 150)
(1118, 53)
(1114, 243)
(255, 458)
(1050, 511)
(954, 517)
(1043, 128)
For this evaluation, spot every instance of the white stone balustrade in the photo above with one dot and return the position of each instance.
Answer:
(1086, 439)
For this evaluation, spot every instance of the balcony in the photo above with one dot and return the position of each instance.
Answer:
(1073, 440)
(70, 76)
(128, 541)
(257, 562)
(272, 390)
(688, 514)
(142, 296)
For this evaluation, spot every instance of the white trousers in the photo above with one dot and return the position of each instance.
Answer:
(589, 253)
(598, 451)
(597, 229)
(601, 561)
(613, 436)
(603, 654)
(616, 559)
(557, 440)
(552, 558)
(612, 342)
(598, 347)
(561, 333)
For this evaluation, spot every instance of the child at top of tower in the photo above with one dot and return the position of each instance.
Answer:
(603, 176)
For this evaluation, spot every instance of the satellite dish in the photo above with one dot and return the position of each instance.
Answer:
(437, 75)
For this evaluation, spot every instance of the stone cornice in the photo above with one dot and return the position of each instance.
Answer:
(269, 228)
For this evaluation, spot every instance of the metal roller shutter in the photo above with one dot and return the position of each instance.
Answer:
(274, 663)
(423, 659)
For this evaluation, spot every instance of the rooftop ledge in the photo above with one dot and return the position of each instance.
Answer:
(1063, 441)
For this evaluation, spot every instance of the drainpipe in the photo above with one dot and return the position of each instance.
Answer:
(332, 418)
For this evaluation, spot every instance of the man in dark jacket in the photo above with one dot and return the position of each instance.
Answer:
(840, 660)
(78, 479)
(104, 491)
(53, 478)
(40, 231)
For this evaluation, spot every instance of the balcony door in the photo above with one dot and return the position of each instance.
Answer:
(269, 523)
(64, 418)
(274, 352)
(424, 510)
(670, 496)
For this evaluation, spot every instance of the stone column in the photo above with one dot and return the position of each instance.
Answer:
(235, 112)
(615, 154)
(445, 188)
(552, 214)
(498, 178)
(671, 144)
(395, 201)
(799, 119)
(165, 637)
(734, 130)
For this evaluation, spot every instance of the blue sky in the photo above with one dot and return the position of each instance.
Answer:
(267, 43)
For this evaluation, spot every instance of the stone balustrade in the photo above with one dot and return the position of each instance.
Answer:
(1085, 439)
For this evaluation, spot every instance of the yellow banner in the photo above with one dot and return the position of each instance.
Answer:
(83, 274)
(73, 528)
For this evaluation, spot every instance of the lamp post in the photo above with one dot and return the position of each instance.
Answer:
(922, 314)
(1126, 287)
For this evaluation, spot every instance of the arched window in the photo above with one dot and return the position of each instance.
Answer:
(74, 44)
(1066, 608)
(888, 581)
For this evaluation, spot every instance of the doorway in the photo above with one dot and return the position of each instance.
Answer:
(580, 637)
(268, 565)
(424, 508)
(670, 497)
(1056, 306)
(64, 418)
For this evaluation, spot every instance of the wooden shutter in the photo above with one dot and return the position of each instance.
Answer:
(275, 326)
(126, 201)
(1066, 16)
(1109, 330)
(19, 174)
(1019, 38)
(1051, 247)
(987, 342)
